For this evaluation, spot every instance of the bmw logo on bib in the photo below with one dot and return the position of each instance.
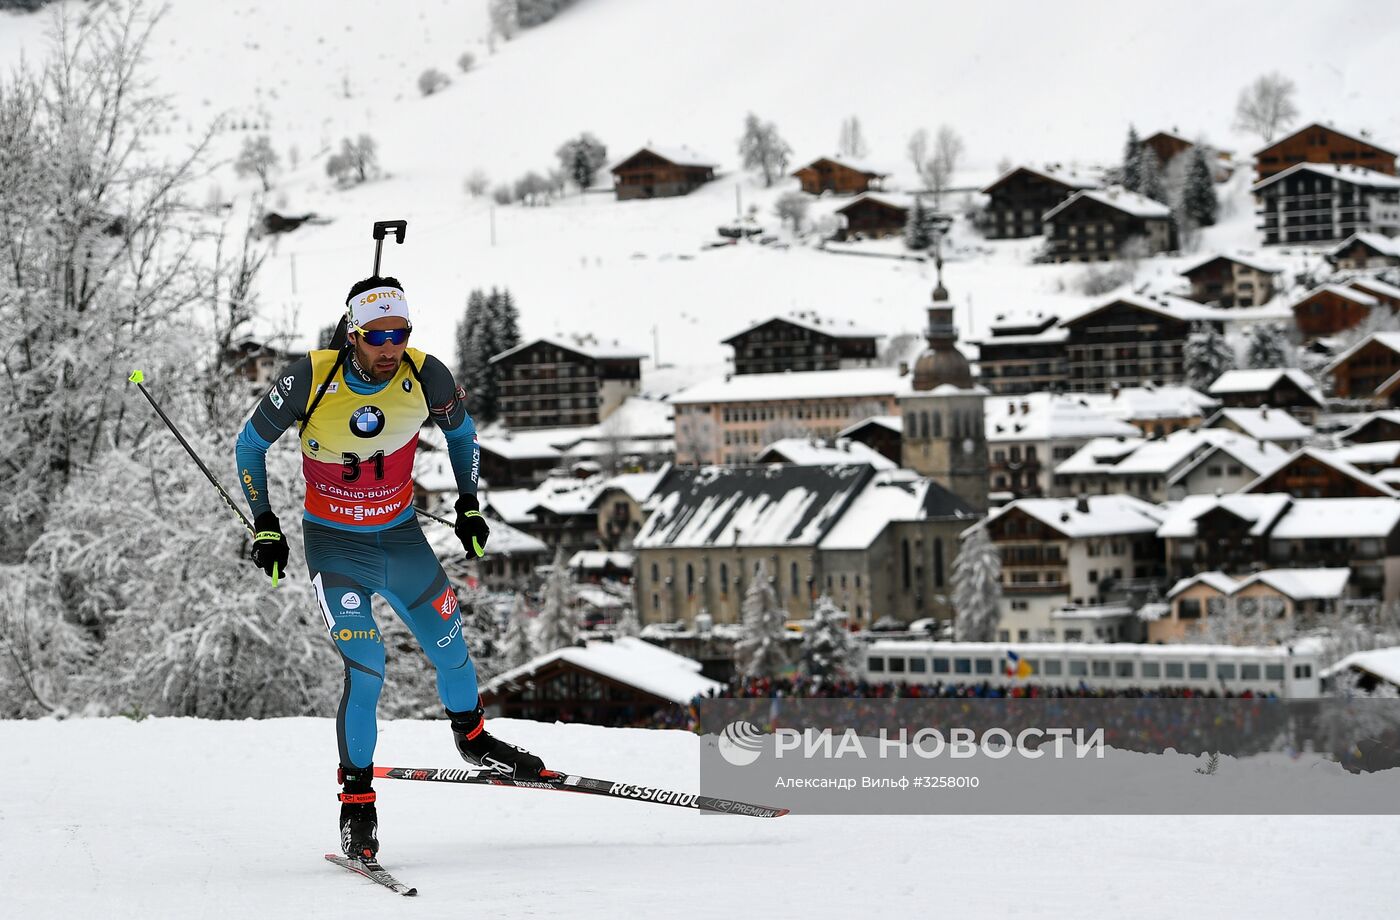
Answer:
(366, 422)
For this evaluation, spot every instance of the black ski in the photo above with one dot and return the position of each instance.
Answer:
(372, 870)
(561, 782)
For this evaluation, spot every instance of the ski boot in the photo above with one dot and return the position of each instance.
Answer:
(359, 822)
(482, 749)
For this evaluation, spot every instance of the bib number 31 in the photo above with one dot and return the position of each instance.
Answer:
(352, 462)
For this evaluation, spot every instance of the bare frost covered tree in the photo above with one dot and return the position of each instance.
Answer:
(357, 161)
(761, 652)
(792, 208)
(852, 141)
(518, 642)
(763, 150)
(977, 587)
(581, 157)
(947, 154)
(432, 80)
(257, 158)
(1266, 106)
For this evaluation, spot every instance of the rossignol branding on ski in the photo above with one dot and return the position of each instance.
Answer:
(559, 782)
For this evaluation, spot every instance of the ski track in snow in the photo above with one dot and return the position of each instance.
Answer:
(196, 819)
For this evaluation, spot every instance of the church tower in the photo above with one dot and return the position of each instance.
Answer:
(944, 430)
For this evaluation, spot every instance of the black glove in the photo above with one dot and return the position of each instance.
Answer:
(471, 526)
(269, 546)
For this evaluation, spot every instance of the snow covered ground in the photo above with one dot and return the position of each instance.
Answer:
(184, 818)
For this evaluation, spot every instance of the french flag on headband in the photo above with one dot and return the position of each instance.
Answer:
(1016, 666)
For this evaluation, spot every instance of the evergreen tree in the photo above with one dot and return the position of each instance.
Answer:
(1198, 198)
(504, 320)
(557, 624)
(518, 644)
(977, 588)
(1132, 161)
(1150, 181)
(827, 647)
(761, 652)
(1268, 347)
(1206, 355)
(474, 371)
(918, 226)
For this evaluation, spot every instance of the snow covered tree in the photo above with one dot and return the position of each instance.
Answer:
(257, 158)
(581, 158)
(828, 646)
(557, 624)
(1205, 356)
(791, 208)
(947, 153)
(531, 13)
(96, 247)
(763, 149)
(476, 183)
(357, 161)
(490, 325)
(466, 61)
(852, 141)
(628, 624)
(1198, 199)
(1266, 106)
(432, 80)
(1132, 161)
(1268, 347)
(918, 226)
(504, 16)
(1150, 181)
(518, 642)
(977, 587)
(760, 652)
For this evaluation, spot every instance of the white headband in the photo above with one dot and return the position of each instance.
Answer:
(377, 303)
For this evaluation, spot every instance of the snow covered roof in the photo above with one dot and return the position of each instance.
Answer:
(1358, 137)
(771, 505)
(1178, 308)
(1383, 663)
(1328, 458)
(855, 383)
(1248, 261)
(598, 598)
(566, 496)
(1375, 286)
(1158, 456)
(638, 486)
(505, 540)
(1148, 403)
(1263, 424)
(627, 660)
(433, 472)
(893, 495)
(1346, 293)
(841, 329)
(597, 559)
(1118, 198)
(1064, 177)
(1390, 340)
(814, 452)
(510, 505)
(1388, 415)
(1374, 453)
(1260, 509)
(1297, 584)
(860, 166)
(635, 420)
(1379, 242)
(680, 155)
(613, 350)
(521, 445)
(893, 423)
(1217, 580)
(1258, 457)
(1263, 380)
(1049, 416)
(1331, 518)
(1302, 584)
(1353, 175)
(596, 448)
(1106, 515)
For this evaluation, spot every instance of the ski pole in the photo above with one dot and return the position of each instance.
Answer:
(139, 378)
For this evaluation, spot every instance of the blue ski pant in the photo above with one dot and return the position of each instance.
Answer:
(347, 567)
